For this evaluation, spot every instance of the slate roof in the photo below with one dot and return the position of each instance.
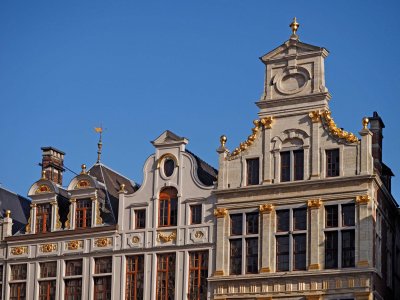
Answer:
(206, 173)
(111, 181)
(19, 206)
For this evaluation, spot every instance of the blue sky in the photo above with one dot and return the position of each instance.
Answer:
(141, 67)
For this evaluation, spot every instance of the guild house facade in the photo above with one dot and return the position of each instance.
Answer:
(301, 209)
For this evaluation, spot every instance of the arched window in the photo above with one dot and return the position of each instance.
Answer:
(168, 207)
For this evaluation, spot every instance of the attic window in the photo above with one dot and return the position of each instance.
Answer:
(169, 166)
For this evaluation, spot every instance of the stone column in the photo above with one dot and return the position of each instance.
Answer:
(267, 157)
(366, 160)
(277, 171)
(315, 155)
(364, 233)
(221, 241)
(121, 207)
(222, 162)
(96, 218)
(314, 231)
(266, 235)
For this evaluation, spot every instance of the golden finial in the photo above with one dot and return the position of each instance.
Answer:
(83, 166)
(43, 174)
(294, 25)
(223, 140)
(122, 188)
(365, 122)
(99, 144)
(8, 213)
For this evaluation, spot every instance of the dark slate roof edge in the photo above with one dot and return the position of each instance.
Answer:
(206, 173)
(117, 173)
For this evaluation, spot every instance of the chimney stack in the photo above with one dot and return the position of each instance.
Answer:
(376, 127)
(53, 164)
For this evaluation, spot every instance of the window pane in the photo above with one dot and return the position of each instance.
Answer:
(83, 213)
(48, 269)
(73, 267)
(332, 163)
(166, 276)
(17, 291)
(168, 207)
(103, 265)
(299, 251)
(18, 272)
(348, 253)
(174, 212)
(140, 218)
(169, 166)
(237, 224)
(348, 215)
(298, 157)
(73, 289)
(285, 166)
(236, 257)
(43, 213)
(331, 215)
(282, 220)
(300, 219)
(252, 255)
(282, 253)
(198, 273)
(134, 277)
(195, 214)
(102, 288)
(253, 171)
(331, 250)
(252, 223)
(47, 290)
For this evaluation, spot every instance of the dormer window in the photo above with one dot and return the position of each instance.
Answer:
(43, 220)
(83, 213)
(168, 207)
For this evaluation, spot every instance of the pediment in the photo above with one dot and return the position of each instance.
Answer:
(293, 47)
(168, 137)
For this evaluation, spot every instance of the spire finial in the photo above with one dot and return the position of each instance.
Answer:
(294, 25)
(83, 166)
(43, 174)
(99, 144)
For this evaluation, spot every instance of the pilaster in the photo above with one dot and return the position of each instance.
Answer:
(267, 157)
(70, 223)
(266, 211)
(315, 135)
(366, 161)
(121, 207)
(364, 232)
(55, 217)
(221, 241)
(314, 230)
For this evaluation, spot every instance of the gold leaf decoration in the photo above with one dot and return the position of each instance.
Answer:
(335, 131)
(164, 237)
(47, 248)
(19, 250)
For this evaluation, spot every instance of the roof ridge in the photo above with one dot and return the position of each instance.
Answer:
(112, 170)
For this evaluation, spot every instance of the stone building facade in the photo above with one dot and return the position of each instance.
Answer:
(304, 209)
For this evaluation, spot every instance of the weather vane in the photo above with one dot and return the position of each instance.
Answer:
(99, 144)
(295, 26)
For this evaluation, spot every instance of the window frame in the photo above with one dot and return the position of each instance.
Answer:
(250, 179)
(102, 274)
(136, 211)
(328, 169)
(74, 277)
(86, 214)
(242, 238)
(339, 229)
(198, 270)
(43, 218)
(199, 207)
(292, 168)
(134, 274)
(291, 233)
(19, 283)
(172, 199)
(168, 273)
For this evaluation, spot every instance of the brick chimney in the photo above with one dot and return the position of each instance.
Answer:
(53, 164)
(376, 127)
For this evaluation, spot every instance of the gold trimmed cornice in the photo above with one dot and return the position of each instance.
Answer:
(334, 130)
(314, 203)
(258, 124)
(364, 199)
(220, 212)
(266, 208)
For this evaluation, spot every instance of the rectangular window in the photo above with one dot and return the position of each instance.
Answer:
(166, 276)
(83, 213)
(195, 214)
(285, 166)
(103, 265)
(244, 243)
(339, 236)
(332, 163)
(168, 212)
(140, 219)
(18, 291)
(291, 239)
(198, 273)
(47, 290)
(18, 272)
(73, 267)
(48, 269)
(102, 284)
(73, 289)
(253, 171)
(134, 277)
(43, 213)
(298, 158)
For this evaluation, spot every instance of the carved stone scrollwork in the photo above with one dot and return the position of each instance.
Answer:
(315, 116)
(102, 242)
(74, 245)
(47, 248)
(266, 208)
(336, 131)
(19, 250)
(57, 215)
(220, 212)
(315, 203)
(164, 237)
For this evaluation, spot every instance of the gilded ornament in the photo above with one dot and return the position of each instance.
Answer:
(223, 140)
(266, 208)
(336, 131)
(102, 242)
(265, 270)
(8, 213)
(165, 237)
(57, 215)
(315, 203)
(73, 245)
(313, 267)
(198, 234)
(28, 226)
(83, 166)
(135, 239)
(122, 188)
(267, 122)
(220, 212)
(19, 250)
(47, 248)
(294, 25)
(68, 222)
(219, 273)
(43, 175)
(82, 184)
(315, 116)
(365, 122)
(99, 220)
(364, 199)
(43, 188)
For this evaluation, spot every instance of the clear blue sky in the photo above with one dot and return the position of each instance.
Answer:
(140, 67)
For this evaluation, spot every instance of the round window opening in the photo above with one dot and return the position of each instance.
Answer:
(169, 166)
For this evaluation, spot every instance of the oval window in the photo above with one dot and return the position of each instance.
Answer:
(169, 166)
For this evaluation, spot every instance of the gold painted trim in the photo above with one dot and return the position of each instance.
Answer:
(265, 270)
(219, 273)
(102, 242)
(220, 212)
(166, 237)
(19, 250)
(28, 226)
(363, 263)
(314, 203)
(335, 131)
(47, 248)
(57, 215)
(313, 297)
(83, 184)
(364, 199)
(315, 116)
(266, 208)
(135, 239)
(43, 189)
(167, 155)
(313, 267)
